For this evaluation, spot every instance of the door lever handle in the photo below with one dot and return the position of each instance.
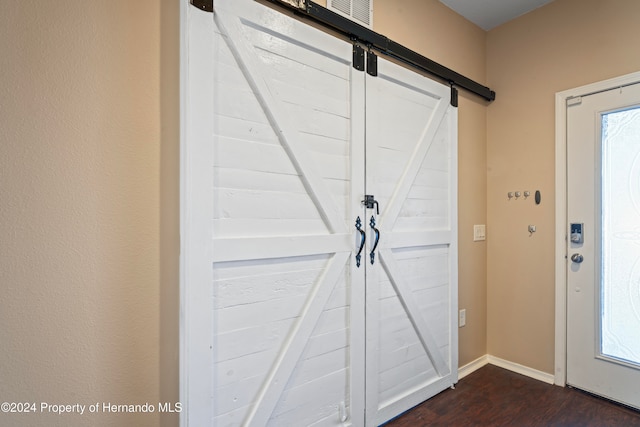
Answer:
(577, 258)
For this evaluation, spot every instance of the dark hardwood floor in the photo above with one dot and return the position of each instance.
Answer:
(493, 396)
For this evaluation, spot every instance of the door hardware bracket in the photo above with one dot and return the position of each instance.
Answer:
(358, 57)
(370, 201)
(454, 96)
(372, 63)
(206, 5)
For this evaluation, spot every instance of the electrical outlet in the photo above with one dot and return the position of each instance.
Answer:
(462, 318)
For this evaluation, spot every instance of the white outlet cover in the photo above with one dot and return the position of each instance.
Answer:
(462, 318)
(479, 233)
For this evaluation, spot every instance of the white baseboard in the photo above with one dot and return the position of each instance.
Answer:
(521, 369)
(473, 366)
(481, 361)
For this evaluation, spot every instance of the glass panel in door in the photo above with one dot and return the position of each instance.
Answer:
(620, 287)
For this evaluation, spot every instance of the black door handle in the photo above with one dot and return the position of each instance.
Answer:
(362, 239)
(372, 223)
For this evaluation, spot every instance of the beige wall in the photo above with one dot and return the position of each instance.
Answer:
(79, 207)
(565, 44)
(435, 31)
(169, 206)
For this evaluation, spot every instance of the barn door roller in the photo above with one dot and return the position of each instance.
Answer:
(206, 5)
(360, 63)
(358, 57)
(372, 63)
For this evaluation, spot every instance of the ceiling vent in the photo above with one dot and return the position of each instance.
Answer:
(360, 11)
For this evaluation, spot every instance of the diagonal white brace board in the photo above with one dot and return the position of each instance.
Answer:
(294, 345)
(413, 311)
(392, 210)
(231, 28)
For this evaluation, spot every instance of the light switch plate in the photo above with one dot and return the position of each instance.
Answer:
(462, 318)
(479, 233)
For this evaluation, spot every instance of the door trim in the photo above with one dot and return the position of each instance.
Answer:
(560, 373)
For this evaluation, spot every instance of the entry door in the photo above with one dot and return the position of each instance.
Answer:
(411, 289)
(603, 248)
(293, 329)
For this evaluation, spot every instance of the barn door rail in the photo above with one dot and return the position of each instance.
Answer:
(379, 42)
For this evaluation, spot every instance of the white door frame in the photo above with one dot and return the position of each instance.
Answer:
(560, 374)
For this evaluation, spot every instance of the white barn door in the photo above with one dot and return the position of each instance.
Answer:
(274, 324)
(412, 291)
(284, 209)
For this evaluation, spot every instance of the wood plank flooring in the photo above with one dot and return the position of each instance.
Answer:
(492, 396)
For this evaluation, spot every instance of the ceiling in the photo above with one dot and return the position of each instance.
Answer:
(488, 14)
